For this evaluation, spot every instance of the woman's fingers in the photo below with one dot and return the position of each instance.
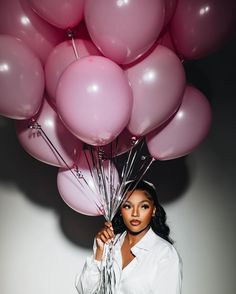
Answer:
(109, 225)
(106, 234)
(104, 238)
(109, 233)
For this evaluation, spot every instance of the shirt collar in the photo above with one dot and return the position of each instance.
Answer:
(147, 241)
(144, 245)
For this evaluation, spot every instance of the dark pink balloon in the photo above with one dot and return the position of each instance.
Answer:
(19, 20)
(200, 27)
(62, 56)
(170, 6)
(158, 83)
(185, 131)
(82, 193)
(123, 143)
(60, 13)
(166, 40)
(35, 143)
(124, 30)
(21, 79)
(94, 99)
(81, 31)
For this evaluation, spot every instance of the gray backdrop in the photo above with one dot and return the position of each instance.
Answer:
(44, 243)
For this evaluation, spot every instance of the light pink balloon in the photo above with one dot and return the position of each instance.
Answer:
(94, 99)
(60, 13)
(124, 30)
(200, 27)
(82, 194)
(158, 83)
(185, 131)
(35, 143)
(19, 20)
(62, 56)
(21, 79)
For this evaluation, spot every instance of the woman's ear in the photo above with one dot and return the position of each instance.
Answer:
(154, 211)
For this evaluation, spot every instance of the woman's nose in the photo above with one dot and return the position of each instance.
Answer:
(135, 212)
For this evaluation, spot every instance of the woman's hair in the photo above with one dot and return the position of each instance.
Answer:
(158, 222)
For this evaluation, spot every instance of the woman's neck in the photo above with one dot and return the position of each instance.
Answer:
(133, 238)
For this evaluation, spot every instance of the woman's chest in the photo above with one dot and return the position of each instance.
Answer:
(138, 275)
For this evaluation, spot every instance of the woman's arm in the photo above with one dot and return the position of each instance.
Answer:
(88, 281)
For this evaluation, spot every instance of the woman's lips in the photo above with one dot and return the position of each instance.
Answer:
(135, 222)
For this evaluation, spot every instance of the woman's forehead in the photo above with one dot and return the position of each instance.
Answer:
(137, 196)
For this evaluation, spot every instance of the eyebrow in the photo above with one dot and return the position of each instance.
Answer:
(147, 200)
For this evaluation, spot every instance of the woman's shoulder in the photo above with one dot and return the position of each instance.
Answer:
(163, 248)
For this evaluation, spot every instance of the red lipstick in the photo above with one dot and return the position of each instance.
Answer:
(135, 222)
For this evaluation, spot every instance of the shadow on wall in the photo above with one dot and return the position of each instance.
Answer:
(38, 183)
(172, 178)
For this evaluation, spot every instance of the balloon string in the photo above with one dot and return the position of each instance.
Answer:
(104, 187)
(71, 34)
(89, 165)
(35, 125)
(95, 172)
(92, 171)
(74, 48)
(125, 196)
(141, 170)
(128, 167)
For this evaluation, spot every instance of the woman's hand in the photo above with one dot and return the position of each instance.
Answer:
(105, 236)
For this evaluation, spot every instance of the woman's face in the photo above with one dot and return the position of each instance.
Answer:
(137, 211)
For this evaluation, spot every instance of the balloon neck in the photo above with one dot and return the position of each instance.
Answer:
(70, 32)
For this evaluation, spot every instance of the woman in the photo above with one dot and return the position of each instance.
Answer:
(145, 260)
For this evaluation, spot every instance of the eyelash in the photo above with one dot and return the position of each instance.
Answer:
(145, 206)
(127, 206)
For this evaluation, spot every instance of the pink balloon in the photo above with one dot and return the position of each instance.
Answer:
(123, 143)
(18, 19)
(185, 131)
(124, 30)
(166, 40)
(21, 79)
(200, 27)
(62, 56)
(81, 31)
(82, 194)
(60, 13)
(158, 83)
(35, 143)
(170, 6)
(94, 99)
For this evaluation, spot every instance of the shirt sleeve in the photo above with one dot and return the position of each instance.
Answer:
(169, 279)
(88, 281)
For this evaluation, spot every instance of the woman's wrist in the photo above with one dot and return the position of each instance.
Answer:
(99, 254)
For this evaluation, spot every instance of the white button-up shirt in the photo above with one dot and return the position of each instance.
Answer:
(156, 269)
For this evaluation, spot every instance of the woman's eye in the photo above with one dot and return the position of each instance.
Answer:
(126, 206)
(145, 206)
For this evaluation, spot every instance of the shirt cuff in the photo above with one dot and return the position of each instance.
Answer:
(93, 264)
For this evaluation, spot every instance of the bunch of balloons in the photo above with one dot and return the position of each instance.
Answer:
(102, 73)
